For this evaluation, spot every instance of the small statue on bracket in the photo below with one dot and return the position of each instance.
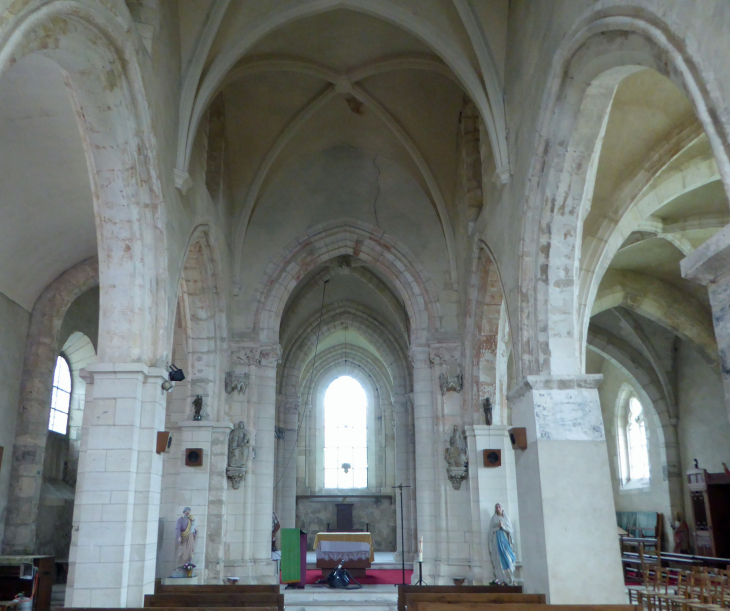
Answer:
(487, 407)
(457, 459)
(197, 407)
(239, 447)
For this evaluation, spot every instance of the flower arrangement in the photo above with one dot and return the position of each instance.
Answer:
(497, 582)
(188, 567)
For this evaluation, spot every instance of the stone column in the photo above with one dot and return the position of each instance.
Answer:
(427, 496)
(566, 507)
(710, 265)
(203, 489)
(402, 411)
(286, 474)
(487, 487)
(257, 565)
(115, 523)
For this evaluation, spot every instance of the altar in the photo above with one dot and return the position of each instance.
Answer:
(354, 549)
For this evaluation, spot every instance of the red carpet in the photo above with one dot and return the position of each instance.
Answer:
(373, 577)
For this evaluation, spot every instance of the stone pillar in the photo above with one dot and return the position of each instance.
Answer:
(203, 489)
(566, 510)
(427, 495)
(256, 565)
(115, 523)
(404, 474)
(710, 265)
(286, 468)
(487, 487)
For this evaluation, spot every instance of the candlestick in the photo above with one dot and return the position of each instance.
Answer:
(420, 549)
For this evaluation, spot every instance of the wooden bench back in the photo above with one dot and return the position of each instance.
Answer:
(239, 599)
(215, 589)
(403, 590)
(438, 606)
(413, 600)
(269, 608)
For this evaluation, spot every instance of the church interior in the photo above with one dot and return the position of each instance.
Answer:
(413, 259)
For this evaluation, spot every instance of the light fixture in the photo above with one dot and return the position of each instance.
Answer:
(167, 386)
(175, 374)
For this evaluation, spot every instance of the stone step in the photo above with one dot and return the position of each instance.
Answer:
(373, 598)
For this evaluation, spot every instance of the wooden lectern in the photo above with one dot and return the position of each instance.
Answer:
(293, 557)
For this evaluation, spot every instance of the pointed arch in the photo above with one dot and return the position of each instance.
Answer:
(603, 47)
(353, 238)
(94, 48)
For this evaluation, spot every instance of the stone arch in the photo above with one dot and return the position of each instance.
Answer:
(352, 238)
(336, 357)
(99, 58)
(649, 387)
(661, 302)
(642, 201)
(31, 429)
(485, 322)
(203, 314)
(603, 47)
(329, 369)
(56, 500)
(368, 277)
(335, 317)
(79, 352)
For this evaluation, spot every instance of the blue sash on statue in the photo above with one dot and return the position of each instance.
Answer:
(506, 555)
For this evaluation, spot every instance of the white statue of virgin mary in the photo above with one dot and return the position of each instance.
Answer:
(501, 547)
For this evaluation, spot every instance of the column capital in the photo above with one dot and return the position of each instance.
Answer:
(558, 407)
(554, 382)
(420, 356)
(711, 261)
(261, 355)
(121, 370)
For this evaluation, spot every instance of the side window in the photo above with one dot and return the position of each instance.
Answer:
(638, 455)
(61, 397)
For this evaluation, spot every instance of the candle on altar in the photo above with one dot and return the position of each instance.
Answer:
(420, 549)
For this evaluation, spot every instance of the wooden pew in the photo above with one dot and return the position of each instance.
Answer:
(273, 607)
(216, 589)
(403, 590)
(232, 599)
(434, 606)
(413, 600)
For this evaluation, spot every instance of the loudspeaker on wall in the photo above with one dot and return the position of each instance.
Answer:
(194, 457)
(164, 441)
(518, 437)
(492, 458)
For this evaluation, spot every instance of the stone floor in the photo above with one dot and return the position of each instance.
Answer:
(322, 598)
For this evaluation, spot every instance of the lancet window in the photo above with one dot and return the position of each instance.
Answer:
(636, 441)
(345, 435)
(61, 397)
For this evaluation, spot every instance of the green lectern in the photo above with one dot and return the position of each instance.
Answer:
(293, 557)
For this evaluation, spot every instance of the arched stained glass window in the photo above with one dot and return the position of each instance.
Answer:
(345, 435)
(61, 397)
(636, 441)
